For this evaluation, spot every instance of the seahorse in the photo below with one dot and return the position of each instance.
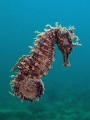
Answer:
(27, 83)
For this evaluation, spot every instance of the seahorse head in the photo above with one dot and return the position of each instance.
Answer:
(65, 43)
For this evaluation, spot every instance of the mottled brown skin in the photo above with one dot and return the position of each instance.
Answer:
(27, 84)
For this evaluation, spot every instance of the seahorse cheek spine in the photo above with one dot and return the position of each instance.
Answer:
(27, 84)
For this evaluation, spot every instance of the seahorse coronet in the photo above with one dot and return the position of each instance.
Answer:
(27, 83)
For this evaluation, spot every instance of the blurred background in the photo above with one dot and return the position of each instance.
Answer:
(67, 90)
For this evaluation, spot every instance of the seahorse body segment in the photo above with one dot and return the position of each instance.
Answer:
(27, 83)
